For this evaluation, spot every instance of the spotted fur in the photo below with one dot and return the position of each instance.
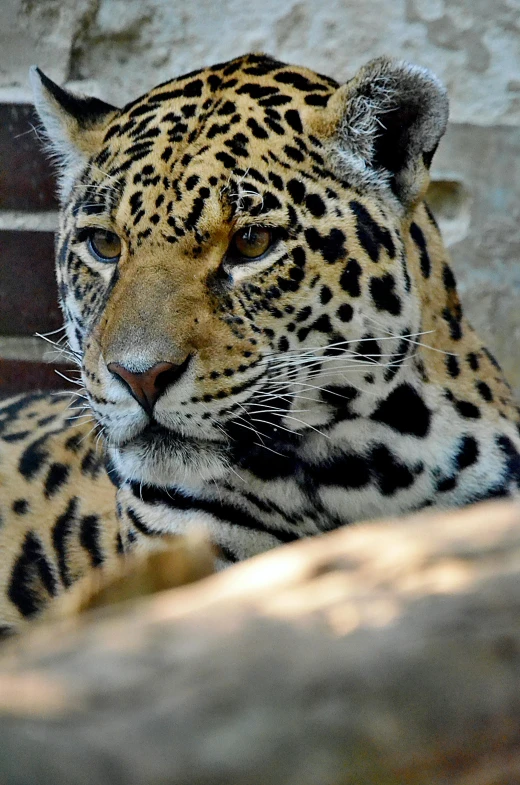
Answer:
(331, 380)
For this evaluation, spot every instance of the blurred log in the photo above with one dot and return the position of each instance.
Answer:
(386, 653)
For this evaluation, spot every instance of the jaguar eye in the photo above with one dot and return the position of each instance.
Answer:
(104, 246)
(251, 242)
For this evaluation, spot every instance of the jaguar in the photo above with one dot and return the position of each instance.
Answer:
(263, 322)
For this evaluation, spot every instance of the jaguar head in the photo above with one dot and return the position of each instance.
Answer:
(231, 246)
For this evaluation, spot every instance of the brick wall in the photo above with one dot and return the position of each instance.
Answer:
(28, 217)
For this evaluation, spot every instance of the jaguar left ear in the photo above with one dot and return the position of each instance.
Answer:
(73, 124)
(385, 125)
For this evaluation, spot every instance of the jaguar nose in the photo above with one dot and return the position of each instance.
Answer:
(147, 386)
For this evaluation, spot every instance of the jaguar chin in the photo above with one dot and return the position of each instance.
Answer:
(163, 457)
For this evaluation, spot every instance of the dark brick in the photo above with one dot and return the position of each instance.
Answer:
(26, 178)
(24, 376)
(28, 298)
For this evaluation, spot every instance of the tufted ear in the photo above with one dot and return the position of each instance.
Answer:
(385, 125)
(73, 124)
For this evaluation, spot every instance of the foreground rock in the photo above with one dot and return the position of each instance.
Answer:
(387, 653)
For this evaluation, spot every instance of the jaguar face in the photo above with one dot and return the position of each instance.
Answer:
(228, 255)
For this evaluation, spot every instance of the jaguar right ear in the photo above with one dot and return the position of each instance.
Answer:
(73, 124)
(384, 125)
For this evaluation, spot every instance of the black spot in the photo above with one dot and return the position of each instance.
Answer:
(473, 361)
(484, 391)
(453, 321)
(193, 89)
(269, 202)
(16, 437)
(317, 100)
(292, 117)
(136, 201)
(227, 108)
(276, 181)
(347, 471)
(405, 411)
(195, 213)
(31, 572)
(238, 145)
(331, 246)
(167, 153)
(467, 453)
(369, 347)
(283, 344)
(371, 236)
(513, 457)
(255, 174)
(325, 295)
(61, 532)
(275, 100)
(467, 410)
(345, 312)
(89, 538)
(382, 291)
(418, 238)
(258, 131)
(119, 543)
(350, 276)
(32, 459)
(339, 396)
(140, 525)
(491, 359)
(322, 324)
(73, 443)
(20, 506)
(273, 125)
(191, 182)
(446, 484)
(56, 477)
(188, 110)
(293, 153)
(452, 366)
(257, 91)
(299, 81)
(389, 472)
(303, 313)
(399, 357)
(448, 277)
(228, 161)
(297, 190)
(315, 205)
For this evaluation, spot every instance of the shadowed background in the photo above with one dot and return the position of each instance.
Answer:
(117, 49)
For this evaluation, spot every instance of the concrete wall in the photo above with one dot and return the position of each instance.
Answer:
(119, 48)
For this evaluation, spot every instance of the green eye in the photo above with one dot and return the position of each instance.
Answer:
(251, 242)
(104, 246)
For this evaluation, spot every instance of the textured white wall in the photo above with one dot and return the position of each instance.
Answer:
(119, 48)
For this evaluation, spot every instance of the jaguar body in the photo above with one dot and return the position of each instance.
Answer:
(265, 323)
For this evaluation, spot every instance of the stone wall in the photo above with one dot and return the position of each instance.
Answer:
(119, 48)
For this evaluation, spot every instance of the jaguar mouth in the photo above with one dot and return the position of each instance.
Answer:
(158, 436)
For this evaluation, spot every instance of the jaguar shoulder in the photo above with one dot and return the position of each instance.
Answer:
(266, 322)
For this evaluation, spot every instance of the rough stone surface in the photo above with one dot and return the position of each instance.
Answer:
(128, 45)
(481, 223)
(120, 48)
(385, 653)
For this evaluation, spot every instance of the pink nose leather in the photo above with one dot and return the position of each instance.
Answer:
(148, 386)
